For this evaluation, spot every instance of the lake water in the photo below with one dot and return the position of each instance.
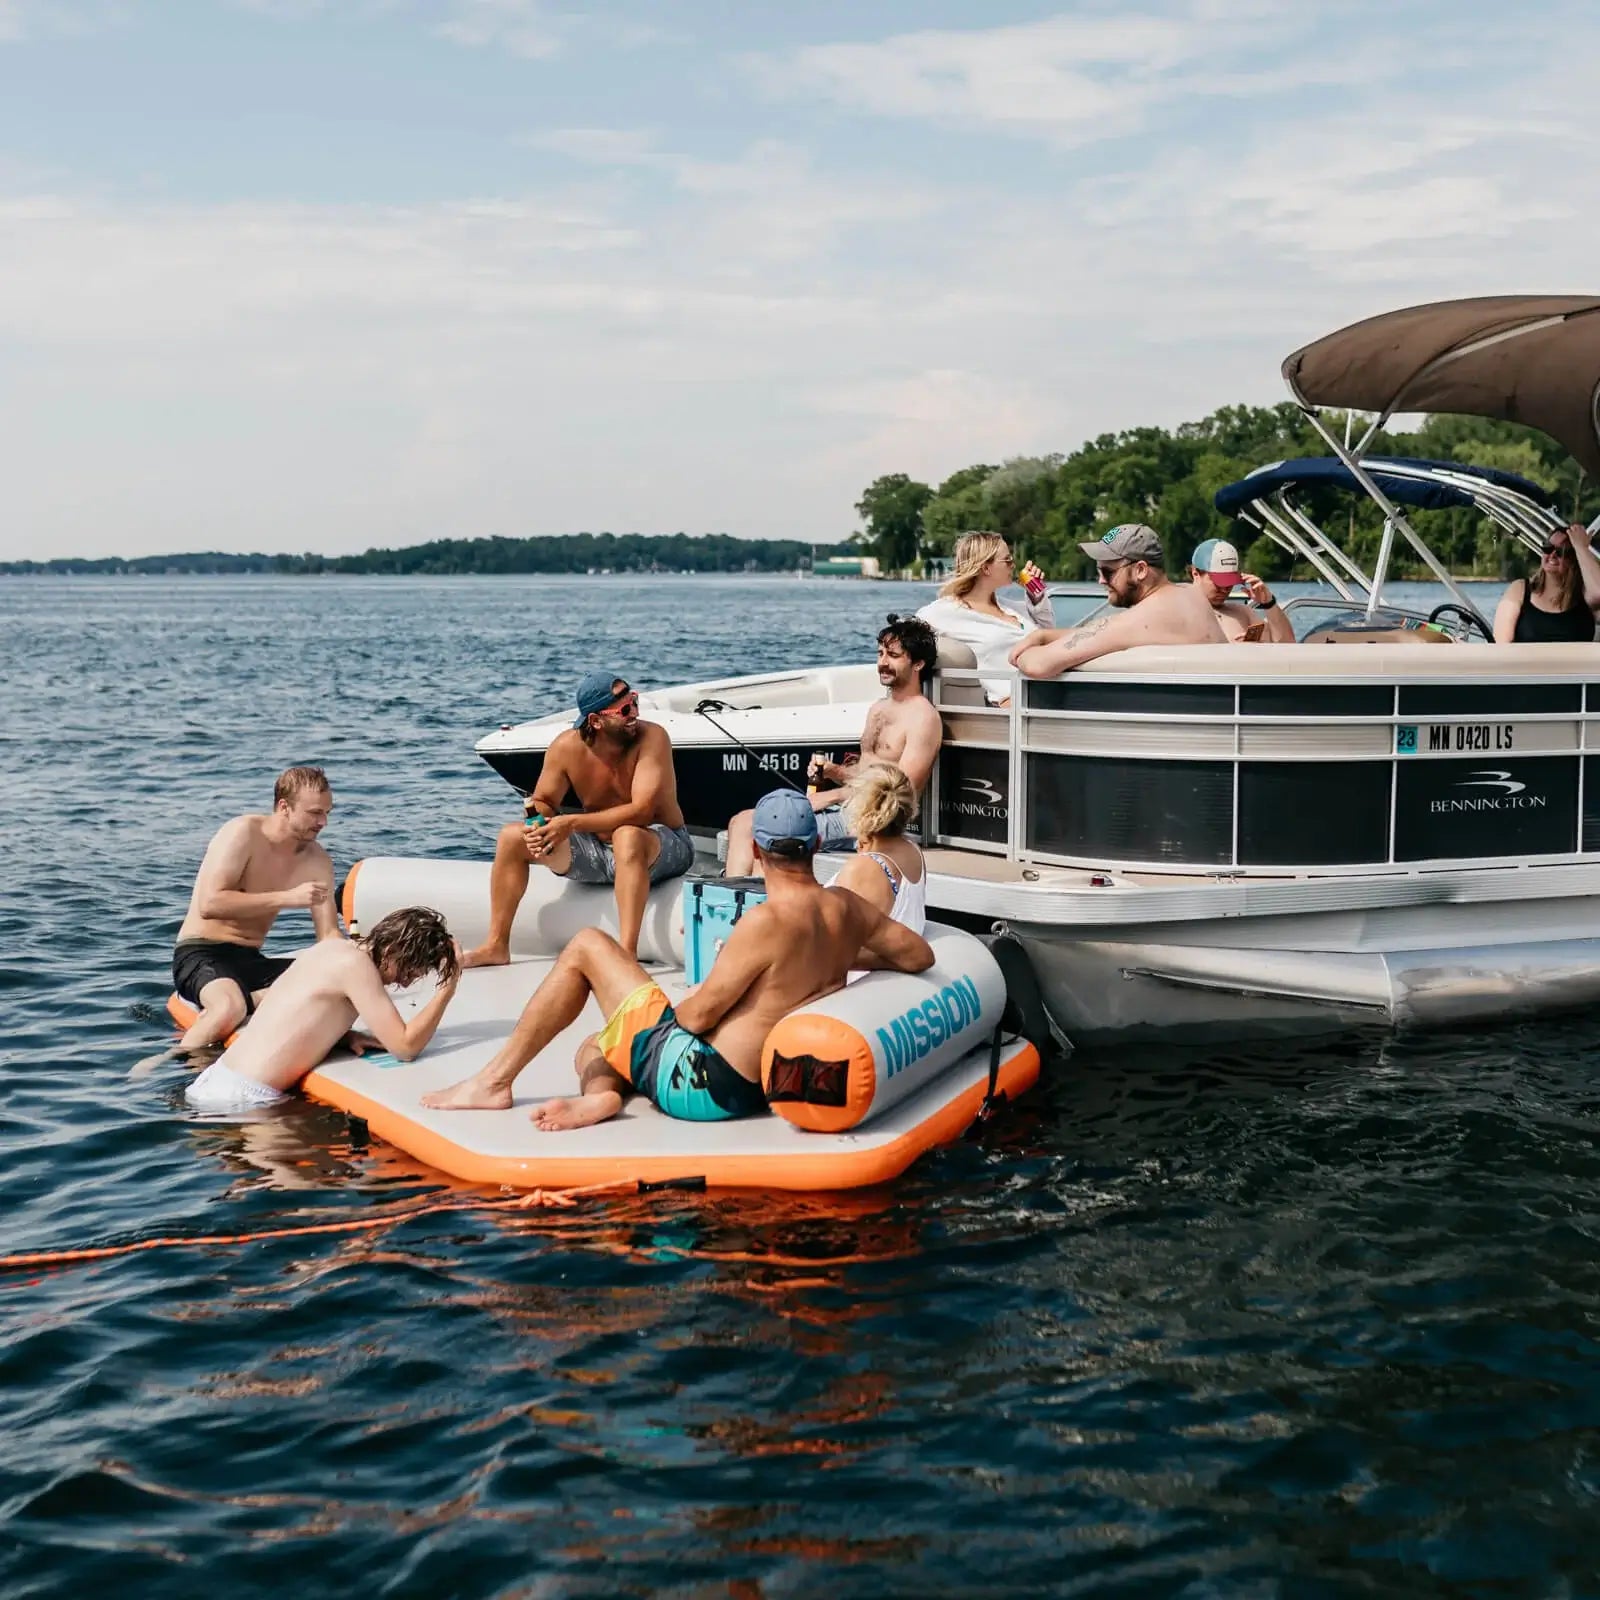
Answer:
(1316, 1320)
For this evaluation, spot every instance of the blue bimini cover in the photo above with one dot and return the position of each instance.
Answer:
(1330, 472)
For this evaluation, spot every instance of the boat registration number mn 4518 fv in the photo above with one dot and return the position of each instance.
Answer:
(1474, 738)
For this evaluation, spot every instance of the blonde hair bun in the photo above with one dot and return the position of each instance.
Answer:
(882, 802)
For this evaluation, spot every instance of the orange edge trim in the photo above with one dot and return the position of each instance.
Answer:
(347, 901)
(854, 1169)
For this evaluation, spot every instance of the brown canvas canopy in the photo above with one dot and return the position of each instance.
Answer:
(1533, 359)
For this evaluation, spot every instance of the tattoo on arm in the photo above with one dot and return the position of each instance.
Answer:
(1089, 629)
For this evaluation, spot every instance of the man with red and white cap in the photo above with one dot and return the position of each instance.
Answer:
(1214, 571)
(1149, 608)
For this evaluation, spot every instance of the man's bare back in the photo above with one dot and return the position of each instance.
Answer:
(793, 948)
(302, 1016)
(317, 1001)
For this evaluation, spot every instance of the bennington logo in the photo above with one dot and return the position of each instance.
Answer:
(1510, 798)
(986, 801)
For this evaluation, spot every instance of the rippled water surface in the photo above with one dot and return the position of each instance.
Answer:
(1319, 1320)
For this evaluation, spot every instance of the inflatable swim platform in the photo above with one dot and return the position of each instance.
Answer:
(861, 1082)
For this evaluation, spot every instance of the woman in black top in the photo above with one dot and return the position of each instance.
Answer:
(1557, 605)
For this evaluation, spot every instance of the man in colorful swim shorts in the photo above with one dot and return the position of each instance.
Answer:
(629, 833)
(254, 867)
(316, 1002)
(699, 1060)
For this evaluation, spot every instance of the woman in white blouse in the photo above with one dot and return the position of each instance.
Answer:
(968, 610)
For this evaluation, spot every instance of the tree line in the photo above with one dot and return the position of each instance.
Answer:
(556, 553)
(1044, 505)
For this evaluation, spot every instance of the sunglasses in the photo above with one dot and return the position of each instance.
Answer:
(1560, 551)
(1106, 570)
(626, 702)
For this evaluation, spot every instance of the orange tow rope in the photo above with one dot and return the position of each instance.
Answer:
(555, 1199)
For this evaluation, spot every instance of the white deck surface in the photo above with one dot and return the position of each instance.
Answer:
(482, 1015)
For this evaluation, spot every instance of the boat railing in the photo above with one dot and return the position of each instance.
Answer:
(1272, 772)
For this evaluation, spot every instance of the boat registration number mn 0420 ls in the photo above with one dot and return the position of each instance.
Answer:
(1440, 738)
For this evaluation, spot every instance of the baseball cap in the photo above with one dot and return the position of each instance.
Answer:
(1128, 541)
(785, 823)
(1219, 561)
(595, 694)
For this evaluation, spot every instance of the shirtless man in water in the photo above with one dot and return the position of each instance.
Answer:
(316, 1002)
(701, 1059)
(903, 729)
(254, 867)
(629, 833)
(1154, 609)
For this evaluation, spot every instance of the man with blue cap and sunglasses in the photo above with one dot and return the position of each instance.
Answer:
(699, 1060)
(629, 833)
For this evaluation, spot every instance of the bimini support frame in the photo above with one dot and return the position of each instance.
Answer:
(1395, 517)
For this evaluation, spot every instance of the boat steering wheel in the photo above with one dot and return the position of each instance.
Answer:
(1474, 622)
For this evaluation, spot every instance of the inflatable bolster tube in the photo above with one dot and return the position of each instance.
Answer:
(854, 1053)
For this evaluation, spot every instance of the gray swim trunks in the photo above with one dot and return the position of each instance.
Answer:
(593, 862)
(833, 832)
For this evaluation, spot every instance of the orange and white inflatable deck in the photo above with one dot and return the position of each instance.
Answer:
(861, 1082)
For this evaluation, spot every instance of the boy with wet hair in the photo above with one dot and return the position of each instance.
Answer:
(314, 1005)
(903, 729)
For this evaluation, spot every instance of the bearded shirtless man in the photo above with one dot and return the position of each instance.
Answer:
(254, 867)
(1153, 609)
(902, 729)
(629, 833)
(700, 1059)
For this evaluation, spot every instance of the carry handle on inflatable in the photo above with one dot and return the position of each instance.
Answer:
(701, 918)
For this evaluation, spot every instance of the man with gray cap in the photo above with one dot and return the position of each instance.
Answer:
(629, 833)
(1150, 608)
(699, 1059)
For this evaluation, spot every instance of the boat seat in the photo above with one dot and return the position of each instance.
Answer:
(1378, 636)
(953, 653)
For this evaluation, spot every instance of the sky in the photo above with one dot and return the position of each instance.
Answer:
(320, 275)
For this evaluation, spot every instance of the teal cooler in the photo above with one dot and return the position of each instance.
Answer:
(711, 906)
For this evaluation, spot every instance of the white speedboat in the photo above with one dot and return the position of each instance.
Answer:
(1238, 841)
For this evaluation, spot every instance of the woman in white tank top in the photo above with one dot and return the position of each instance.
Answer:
(887, 870)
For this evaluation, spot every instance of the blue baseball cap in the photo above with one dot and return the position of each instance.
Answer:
(595, 693)
(784, 817)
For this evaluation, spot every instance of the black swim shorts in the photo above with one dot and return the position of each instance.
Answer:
(197, 962)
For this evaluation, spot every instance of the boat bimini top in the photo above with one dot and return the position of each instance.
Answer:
(1264, 500)
(1532, 359)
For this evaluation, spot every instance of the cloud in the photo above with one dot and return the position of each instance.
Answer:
(521, 27)
(36, 19)
(602, 147)
(767, 203)
(1069, 78)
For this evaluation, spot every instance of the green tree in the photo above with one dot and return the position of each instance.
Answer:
(891, 508)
